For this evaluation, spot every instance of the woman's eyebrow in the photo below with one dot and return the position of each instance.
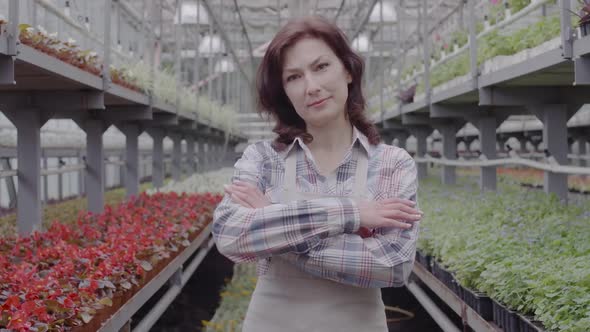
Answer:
(313, 63)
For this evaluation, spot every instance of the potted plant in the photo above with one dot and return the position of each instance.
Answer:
(584, 18)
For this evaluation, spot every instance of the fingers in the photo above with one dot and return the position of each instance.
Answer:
(249, 194)
(236, 197)
(396, 224)
(399, 215)
(402, 208)
(242, 199)
(398, 200)
(250, 191)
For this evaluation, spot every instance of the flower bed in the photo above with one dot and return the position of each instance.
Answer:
(521, 247)
(534, 178)
(235, 298)
(66, 212)
(211, 182)
(109, 257)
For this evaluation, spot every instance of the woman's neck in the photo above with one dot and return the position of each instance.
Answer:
(336, 136)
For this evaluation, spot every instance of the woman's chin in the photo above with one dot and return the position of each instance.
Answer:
(321, 120)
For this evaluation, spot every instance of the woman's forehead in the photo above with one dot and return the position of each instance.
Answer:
(305, 52)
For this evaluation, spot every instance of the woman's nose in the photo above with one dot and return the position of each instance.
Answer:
(312, 86)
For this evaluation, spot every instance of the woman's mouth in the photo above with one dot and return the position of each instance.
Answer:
(320, 102)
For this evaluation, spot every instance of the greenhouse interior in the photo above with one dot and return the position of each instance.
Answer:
(141, 112)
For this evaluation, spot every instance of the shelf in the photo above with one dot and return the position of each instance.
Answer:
(548, 68)
(35, 70)
(582, 47)
(124, 314)
(122, 95)
(469, 316)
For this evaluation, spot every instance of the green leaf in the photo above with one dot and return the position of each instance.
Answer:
(106, 301)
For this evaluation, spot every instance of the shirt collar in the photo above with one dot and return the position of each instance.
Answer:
(357, 135)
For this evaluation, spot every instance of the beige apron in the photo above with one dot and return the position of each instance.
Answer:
(286, 299)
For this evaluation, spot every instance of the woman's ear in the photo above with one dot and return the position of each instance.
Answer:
(348, 77)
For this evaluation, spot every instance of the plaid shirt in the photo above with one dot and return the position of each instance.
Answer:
(317, 235)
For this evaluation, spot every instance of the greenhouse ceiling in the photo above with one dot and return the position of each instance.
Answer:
(248, 25)
(242, 29)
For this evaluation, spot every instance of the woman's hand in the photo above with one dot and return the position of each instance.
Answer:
(246, 194)
(392, 212)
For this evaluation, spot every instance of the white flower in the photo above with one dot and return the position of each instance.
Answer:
(71, 41)
(42, 30)
(30, 29)
(93, 54)
(53, 35)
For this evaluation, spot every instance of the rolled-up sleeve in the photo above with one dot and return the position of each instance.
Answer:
(246, 234)
(384, 260)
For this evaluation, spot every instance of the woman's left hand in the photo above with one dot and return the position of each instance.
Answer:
(247, 195)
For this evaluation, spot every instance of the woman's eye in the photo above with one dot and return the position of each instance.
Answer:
(322, 66)
(290, 78)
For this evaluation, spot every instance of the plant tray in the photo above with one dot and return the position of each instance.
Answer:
(505, 318)
(480, 302)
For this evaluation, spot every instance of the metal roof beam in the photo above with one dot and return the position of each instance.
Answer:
(227, 42)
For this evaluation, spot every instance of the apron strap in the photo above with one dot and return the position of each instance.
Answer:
(291, 170)
(361, 174)
(362, 167)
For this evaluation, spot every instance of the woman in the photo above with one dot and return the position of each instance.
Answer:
(327, 210)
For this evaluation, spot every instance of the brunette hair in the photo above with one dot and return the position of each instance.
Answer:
(272, 98)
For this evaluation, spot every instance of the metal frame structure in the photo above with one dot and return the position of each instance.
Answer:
(551, 86)
(38, 87)
(35, 87)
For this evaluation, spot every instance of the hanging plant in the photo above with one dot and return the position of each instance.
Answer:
(584, 17)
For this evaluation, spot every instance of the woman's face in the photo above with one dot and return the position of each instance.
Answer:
(315, 81)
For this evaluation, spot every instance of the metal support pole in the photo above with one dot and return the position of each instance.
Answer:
(426, 46)
(449, 137)
(7, 60)
(522, 141)
(567, 40)
(45, 180)
(131, 132)
(206, 154)
(121, 169)
(487, 139)
(473, 41)
(402, 139)
(29, 214)
(210, 63)
(216, 154)
(421, 134)
(95, 164)
(106, 75)
(582, 151)
(176, 156)
(190, 154)
(200, 154)
(10, 186)
(554, 118)
(80, 173)
(158, 171)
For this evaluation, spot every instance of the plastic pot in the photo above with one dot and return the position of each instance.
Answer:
(528, 324)
(480, 302)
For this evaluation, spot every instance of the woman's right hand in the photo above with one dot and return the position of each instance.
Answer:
(392, 212)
